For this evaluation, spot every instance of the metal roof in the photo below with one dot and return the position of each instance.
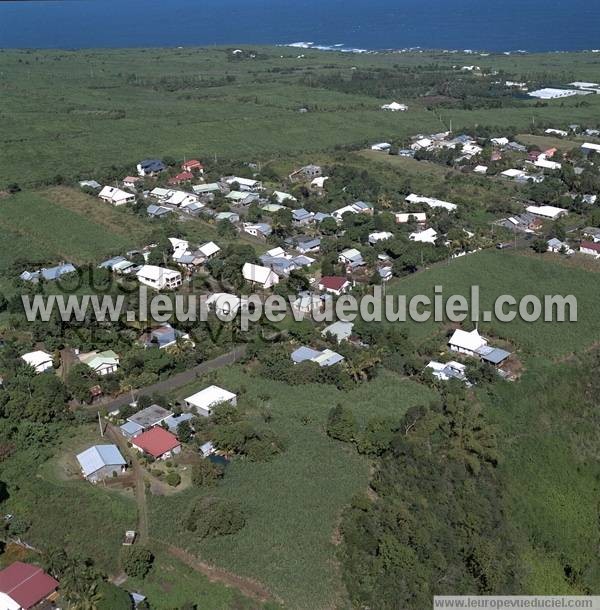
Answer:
(150, 416)
(98, 456)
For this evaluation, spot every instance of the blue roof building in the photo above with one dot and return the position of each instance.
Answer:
(101, 461)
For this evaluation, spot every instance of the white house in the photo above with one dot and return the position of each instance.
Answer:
(102, 363)
(514, 174)
(209, 249)
(431, 202)
(544, 163)
(245, 184)
(590, 247)
(467, 342)
(379, 236)
(551, 93)
(352, 257)
(283, 197)
(500, 141)
(39, 360)
(556, 132)
(395, 107)
(448, 370)
(558, 246)
(418, 217)
(428, 236)
(547, 211)
(381, 146)
(181, 198)
(481, 169)
(115, 196)
(225, 304)
(261, 276)
(204, 401)
(589, 147)
(159, 278)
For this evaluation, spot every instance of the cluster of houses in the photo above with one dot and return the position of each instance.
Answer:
(151, 431)
(472, 345)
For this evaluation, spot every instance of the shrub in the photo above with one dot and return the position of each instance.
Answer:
(211, 517)
(206, 474)
(173, 479)
(137, 561)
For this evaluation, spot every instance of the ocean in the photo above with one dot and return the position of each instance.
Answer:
(503, 25)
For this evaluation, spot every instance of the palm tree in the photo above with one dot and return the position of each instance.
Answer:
(471, 441)
(80, 588)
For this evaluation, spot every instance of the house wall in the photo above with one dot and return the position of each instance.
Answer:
(104, 473)
(462, 350)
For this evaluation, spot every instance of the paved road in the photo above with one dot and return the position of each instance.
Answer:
(178, 380)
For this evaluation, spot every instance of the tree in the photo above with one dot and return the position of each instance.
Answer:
(173, 479)
(539, 245)
(185, 432)
(137, 561)
(341, 424)
(210, 517)
(206, 474)
(113, 597)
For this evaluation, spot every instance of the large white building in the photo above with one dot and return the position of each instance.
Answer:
(547, 211)
(159, 278)
(258, 275)
(431, 202)
(204, 401)
(39, 360)
(115, 196)
(467, 342)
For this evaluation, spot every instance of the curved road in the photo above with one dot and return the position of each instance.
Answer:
(176, 381)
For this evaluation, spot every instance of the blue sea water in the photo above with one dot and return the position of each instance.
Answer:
(501, 25)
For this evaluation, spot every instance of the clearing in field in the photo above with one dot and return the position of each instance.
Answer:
(61, 224)
(499, 273)
(293, 503)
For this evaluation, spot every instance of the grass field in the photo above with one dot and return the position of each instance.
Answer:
(63, 224)
(67, 512)
(546, 142)
(171, 584)
(497, 273)
(551, 474)
(74, 113)
(293, 503)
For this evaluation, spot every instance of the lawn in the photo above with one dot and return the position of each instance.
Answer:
(171, 584)
(63, 225)
(505, 272)
(293, 503)
(77, 113)
(550, 471)
(64, 511)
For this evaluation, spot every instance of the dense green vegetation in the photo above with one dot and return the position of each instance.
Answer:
(368, 484)
(93, 109)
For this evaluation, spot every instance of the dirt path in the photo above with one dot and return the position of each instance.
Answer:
(247, 586)
(140, 489)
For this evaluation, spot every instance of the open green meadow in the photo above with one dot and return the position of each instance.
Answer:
(62, 224)
(546, 429)
(77, 113)
(508, 272)
(62, 509)
(293, 503)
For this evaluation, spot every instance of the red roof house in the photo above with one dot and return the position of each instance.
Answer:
(25, 585)
(590, 247)
(193, 165)
(181, 177)
(334, 283)
(157, 442)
